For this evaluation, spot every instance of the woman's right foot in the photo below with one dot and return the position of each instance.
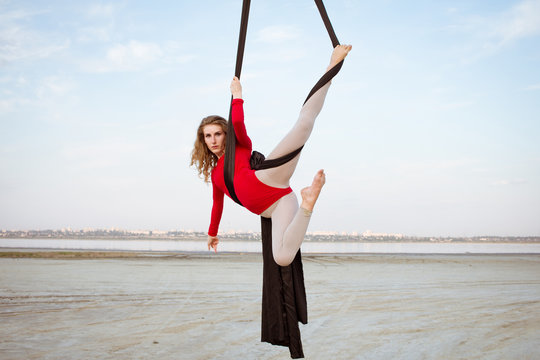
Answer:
(340, 52)
(311, 193)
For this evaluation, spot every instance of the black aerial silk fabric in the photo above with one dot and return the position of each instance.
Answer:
(284, 296)
(230, 139)
(283, 299)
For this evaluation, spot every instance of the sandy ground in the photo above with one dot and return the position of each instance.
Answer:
(208, 307)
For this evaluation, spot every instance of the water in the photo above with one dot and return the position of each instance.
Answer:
(255, 246)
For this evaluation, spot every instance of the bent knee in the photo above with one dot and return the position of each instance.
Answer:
(284, 259)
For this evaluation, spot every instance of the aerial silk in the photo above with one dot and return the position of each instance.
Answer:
(284, 296)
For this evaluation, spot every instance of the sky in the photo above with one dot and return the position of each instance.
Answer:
(430, 129)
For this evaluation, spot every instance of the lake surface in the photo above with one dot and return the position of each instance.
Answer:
(255, 246)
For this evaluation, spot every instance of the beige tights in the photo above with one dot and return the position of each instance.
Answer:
(289, 222)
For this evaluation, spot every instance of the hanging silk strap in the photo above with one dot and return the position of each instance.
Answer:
(259, 162)
(335, 42)
(228, 164)
(258, 158)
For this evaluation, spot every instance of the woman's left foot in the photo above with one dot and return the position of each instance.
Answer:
(311, 193)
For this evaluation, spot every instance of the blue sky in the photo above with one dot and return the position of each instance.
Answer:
(431, 128)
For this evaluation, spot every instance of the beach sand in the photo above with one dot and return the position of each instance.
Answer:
(206, 306)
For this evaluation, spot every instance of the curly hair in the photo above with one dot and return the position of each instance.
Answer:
(203, 159)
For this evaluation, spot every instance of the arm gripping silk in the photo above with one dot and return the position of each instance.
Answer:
(238, 122)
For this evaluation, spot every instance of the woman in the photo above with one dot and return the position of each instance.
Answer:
(264, 192)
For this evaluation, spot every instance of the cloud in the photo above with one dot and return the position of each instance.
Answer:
(96, 33)
(456, 105)
(521, 21)
(487, 35)
(17, 42)
(278, 34)
(133, 56)
(53, 86)
(47, 91)
(533, 87)
(507, 182)
(9, 104)
(136, 55)
(12, 94)
(102, 17)
(101, 10)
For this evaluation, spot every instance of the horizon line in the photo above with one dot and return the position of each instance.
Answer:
(366, 233)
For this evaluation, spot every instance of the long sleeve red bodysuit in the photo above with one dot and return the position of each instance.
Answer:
(251, 192)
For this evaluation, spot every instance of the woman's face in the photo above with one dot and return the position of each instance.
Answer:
(214, 137)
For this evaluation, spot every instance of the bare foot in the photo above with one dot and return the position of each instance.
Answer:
(340, 52)
(311, 193)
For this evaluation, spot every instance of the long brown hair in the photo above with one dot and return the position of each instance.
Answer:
(204, 159)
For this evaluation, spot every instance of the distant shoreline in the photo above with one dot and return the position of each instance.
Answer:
(174, 255)
(255, 237)
(316, 236)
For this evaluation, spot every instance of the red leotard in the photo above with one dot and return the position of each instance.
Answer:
(251, 192)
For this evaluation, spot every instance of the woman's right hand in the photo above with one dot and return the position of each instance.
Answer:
(213, 242)
(236, 88)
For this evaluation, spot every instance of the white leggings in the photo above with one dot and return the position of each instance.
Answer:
(289, 222)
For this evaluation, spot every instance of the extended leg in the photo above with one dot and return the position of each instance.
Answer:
(299, 134)
(297, 137)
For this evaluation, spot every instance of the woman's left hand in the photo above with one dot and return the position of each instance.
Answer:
(213, 242)
(236, 88)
